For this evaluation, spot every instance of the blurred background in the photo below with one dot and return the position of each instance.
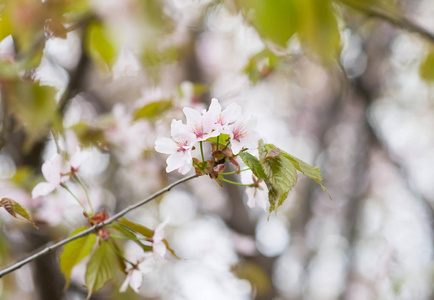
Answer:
(345, 85)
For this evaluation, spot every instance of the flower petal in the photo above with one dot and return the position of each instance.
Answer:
(51, 169)
(165, 145)
(192, 115)
(42, 189)
(136, 280)
(159, 249)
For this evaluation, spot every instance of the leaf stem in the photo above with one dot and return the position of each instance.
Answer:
(75, 197)
(234, 172)
(201, 152)
(235, 183)
(218, 142)
(118, 253)
(85, 191)
(119, 237)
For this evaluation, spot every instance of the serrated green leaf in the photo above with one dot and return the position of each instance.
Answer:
(74, 252)
(143, 230)
(99, 269)
(152, 110)
(281, 175)
(426, 69)
(100, 46)
(254, 164)
(14, 209)
(312, 172)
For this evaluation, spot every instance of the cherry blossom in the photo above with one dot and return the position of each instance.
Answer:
(134, 279)
(158, 245)
(179, 147)
(54, 171)
(201, 124)
(257, 195)
(222, 119)
(243, 135)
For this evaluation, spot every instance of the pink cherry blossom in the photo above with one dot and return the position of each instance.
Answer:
(179, 147)
(158, 245)
(222, 119)
(200, 124)
(242, 134)
(54, 171)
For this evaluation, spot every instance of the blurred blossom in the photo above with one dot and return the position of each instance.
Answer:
(180, 205)
(129, 137)
(64, 52)
(126, 64)
(205, 240)
(7, 166)
(53, 75)
(7, 49)
(52, 171)
(272, 237)
(158, 246)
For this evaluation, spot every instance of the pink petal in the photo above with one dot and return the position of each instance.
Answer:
(42, 189)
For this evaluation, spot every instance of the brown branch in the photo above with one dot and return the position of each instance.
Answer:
(93, 228)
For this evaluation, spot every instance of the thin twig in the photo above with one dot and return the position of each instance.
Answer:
(93, 228)
(401, 21)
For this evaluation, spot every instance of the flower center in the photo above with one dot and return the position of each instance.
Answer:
(198, 129)
(239, 132)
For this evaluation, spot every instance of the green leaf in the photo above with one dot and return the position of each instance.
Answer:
(281, 170)
(222, 139)
(99, 269)
(129, 233)
(100, 46)
(275, 20)
(253, 163)
(74, 252)
(312, 172)
(145, 231)
(34, 106)
(281, 174)
(89, 135)
(14, 209)
(318, 29)
(152, 110)
(426, 69)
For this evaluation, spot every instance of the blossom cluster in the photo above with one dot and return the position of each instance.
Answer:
(228, 124)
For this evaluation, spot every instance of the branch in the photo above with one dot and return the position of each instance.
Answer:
(401, 22)
(93, 228)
